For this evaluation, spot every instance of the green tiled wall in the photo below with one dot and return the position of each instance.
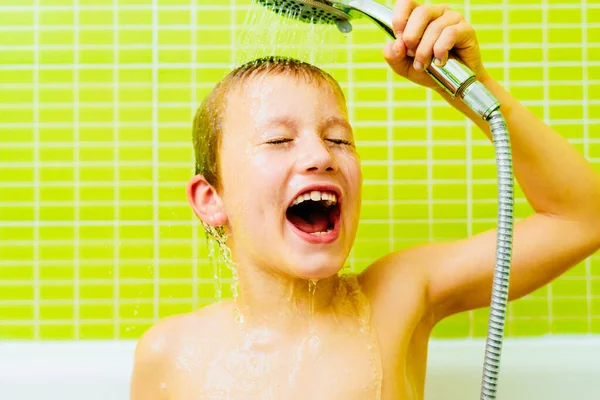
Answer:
(96, 100)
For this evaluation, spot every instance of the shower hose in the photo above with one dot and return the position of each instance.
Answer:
(493, 346)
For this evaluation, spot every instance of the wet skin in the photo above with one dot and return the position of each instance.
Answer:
(286, 135)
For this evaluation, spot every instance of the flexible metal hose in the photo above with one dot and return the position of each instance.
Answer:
(493, 347)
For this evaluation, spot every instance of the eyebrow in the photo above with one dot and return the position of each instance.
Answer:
(336, 121)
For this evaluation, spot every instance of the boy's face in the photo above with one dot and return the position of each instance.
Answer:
(283, 137)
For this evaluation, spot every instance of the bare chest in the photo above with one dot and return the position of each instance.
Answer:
(311, 366)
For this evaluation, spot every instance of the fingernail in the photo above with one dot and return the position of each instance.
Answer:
(437, 62)
(399, 35)
(396, 47)
(418, 66)
(410, 52)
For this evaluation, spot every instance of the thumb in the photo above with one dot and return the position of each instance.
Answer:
(395, 55)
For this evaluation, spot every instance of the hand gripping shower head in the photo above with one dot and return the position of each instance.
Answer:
(454, 77)
(460, 82)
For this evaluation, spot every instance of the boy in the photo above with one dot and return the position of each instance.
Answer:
(279, 174)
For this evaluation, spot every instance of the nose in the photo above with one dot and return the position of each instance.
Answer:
(316, 156)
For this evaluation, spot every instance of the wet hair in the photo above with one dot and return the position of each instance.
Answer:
(208, 122)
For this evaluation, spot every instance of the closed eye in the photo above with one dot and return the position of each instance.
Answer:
(279, 141)
(341, 141)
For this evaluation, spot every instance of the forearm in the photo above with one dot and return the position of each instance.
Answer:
(554, 176)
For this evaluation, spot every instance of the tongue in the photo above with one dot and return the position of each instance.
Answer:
(317, 222)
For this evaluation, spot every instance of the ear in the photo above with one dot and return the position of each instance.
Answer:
(205, 201)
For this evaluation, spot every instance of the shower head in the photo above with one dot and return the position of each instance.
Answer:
(312, 11)
(338, 12)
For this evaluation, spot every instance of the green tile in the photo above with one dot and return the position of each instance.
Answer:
(441, 211)
(406, 113)
(175, 271)
(180, 250)
(132, 331)
(96, 331)
(56, 292)
(530, 327)
(166, 309)
(16, 57)
(23, 252)
(175, 232)
(16, 313)
(18, 193)
(136, 311)
(416, 230)
(17, 115)
(449, 230)
(10, 291)
(56, 213)
(452, 327)
(449, 191)
(96, 213)
(16, 332)
(130, 270)
(175, 291)
(18, 272)
(57, 332)
(569, 287)
(65, 272)
(569, 326)
(49, 312)
(530, 307)
(136, 291)
(569, 307)
(25, 213)
(417, 191)
(95, 291)
(96, 251)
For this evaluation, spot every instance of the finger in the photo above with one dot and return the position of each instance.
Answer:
(402, 10)
(395, 55)
(424, 51)
(418, 21)
(451, 37)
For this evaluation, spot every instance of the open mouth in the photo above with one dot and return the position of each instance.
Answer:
(315, 214)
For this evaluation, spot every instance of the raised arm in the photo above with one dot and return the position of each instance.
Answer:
(561, 186)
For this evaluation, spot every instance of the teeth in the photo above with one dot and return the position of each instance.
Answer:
(315, 195)
(321, 233)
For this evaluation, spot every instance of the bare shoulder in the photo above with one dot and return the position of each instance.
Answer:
(162, 344)
(397, 285)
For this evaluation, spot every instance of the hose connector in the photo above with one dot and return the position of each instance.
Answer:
(459, 81)
(479, 99)
(453, 77)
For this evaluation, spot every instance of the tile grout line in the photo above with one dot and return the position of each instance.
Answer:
(116, 185)
(155, 219)
(36, 172)
(76, 173)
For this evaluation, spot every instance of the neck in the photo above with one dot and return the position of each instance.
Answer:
(282, 302)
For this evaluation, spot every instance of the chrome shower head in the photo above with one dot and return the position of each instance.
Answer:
(312, 11)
